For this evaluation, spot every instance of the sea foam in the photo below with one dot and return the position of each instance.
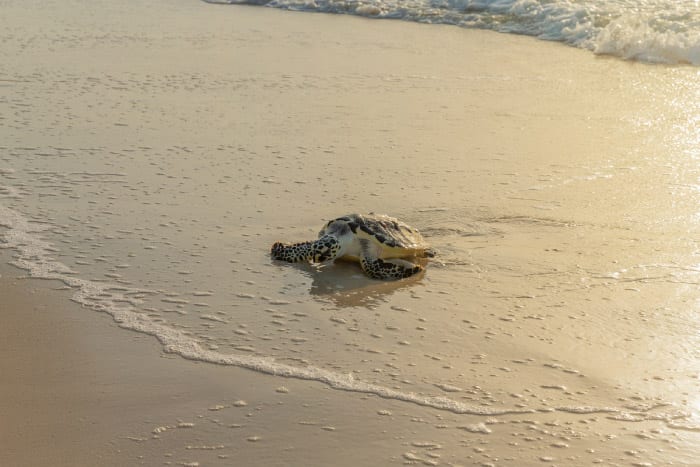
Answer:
(635, 38)
(657, 31)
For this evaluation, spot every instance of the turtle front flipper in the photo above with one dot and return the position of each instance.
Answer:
(324, 249)
(390, 269)
(291, 252)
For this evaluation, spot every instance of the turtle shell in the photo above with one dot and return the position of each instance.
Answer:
(384, 231)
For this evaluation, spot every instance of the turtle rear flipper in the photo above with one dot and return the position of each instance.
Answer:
(392, 269)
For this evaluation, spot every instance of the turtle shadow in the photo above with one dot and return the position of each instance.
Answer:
(345, 285)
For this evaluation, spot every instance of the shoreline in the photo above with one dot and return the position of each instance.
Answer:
(75, 382)
(555, 185)
(85, 392)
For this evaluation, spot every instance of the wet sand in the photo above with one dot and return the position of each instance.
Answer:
(557, 326)
(80, 391)
(72, 390)
(84, 392)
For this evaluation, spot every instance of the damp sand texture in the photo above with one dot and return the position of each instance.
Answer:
(151, 154)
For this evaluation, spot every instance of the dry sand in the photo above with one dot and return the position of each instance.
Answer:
(559, 188)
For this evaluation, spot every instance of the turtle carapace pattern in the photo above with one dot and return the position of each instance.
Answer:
(383, 246)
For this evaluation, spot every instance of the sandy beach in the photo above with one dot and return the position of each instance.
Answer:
(151, 152)
(82, 392)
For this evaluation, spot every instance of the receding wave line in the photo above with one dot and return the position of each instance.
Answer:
(34, 255)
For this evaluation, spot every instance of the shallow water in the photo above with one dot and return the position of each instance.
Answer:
(562, 201)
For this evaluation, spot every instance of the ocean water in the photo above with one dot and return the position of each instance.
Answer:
(562, 202)
(657, 31)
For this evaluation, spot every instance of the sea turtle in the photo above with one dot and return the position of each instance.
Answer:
(378, 242)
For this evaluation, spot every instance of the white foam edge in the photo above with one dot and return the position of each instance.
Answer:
(629, 36)
(633, 38)
(33, 254)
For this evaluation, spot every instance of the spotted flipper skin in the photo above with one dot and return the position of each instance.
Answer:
(388, 270)
(324, 249)
(291, 252)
